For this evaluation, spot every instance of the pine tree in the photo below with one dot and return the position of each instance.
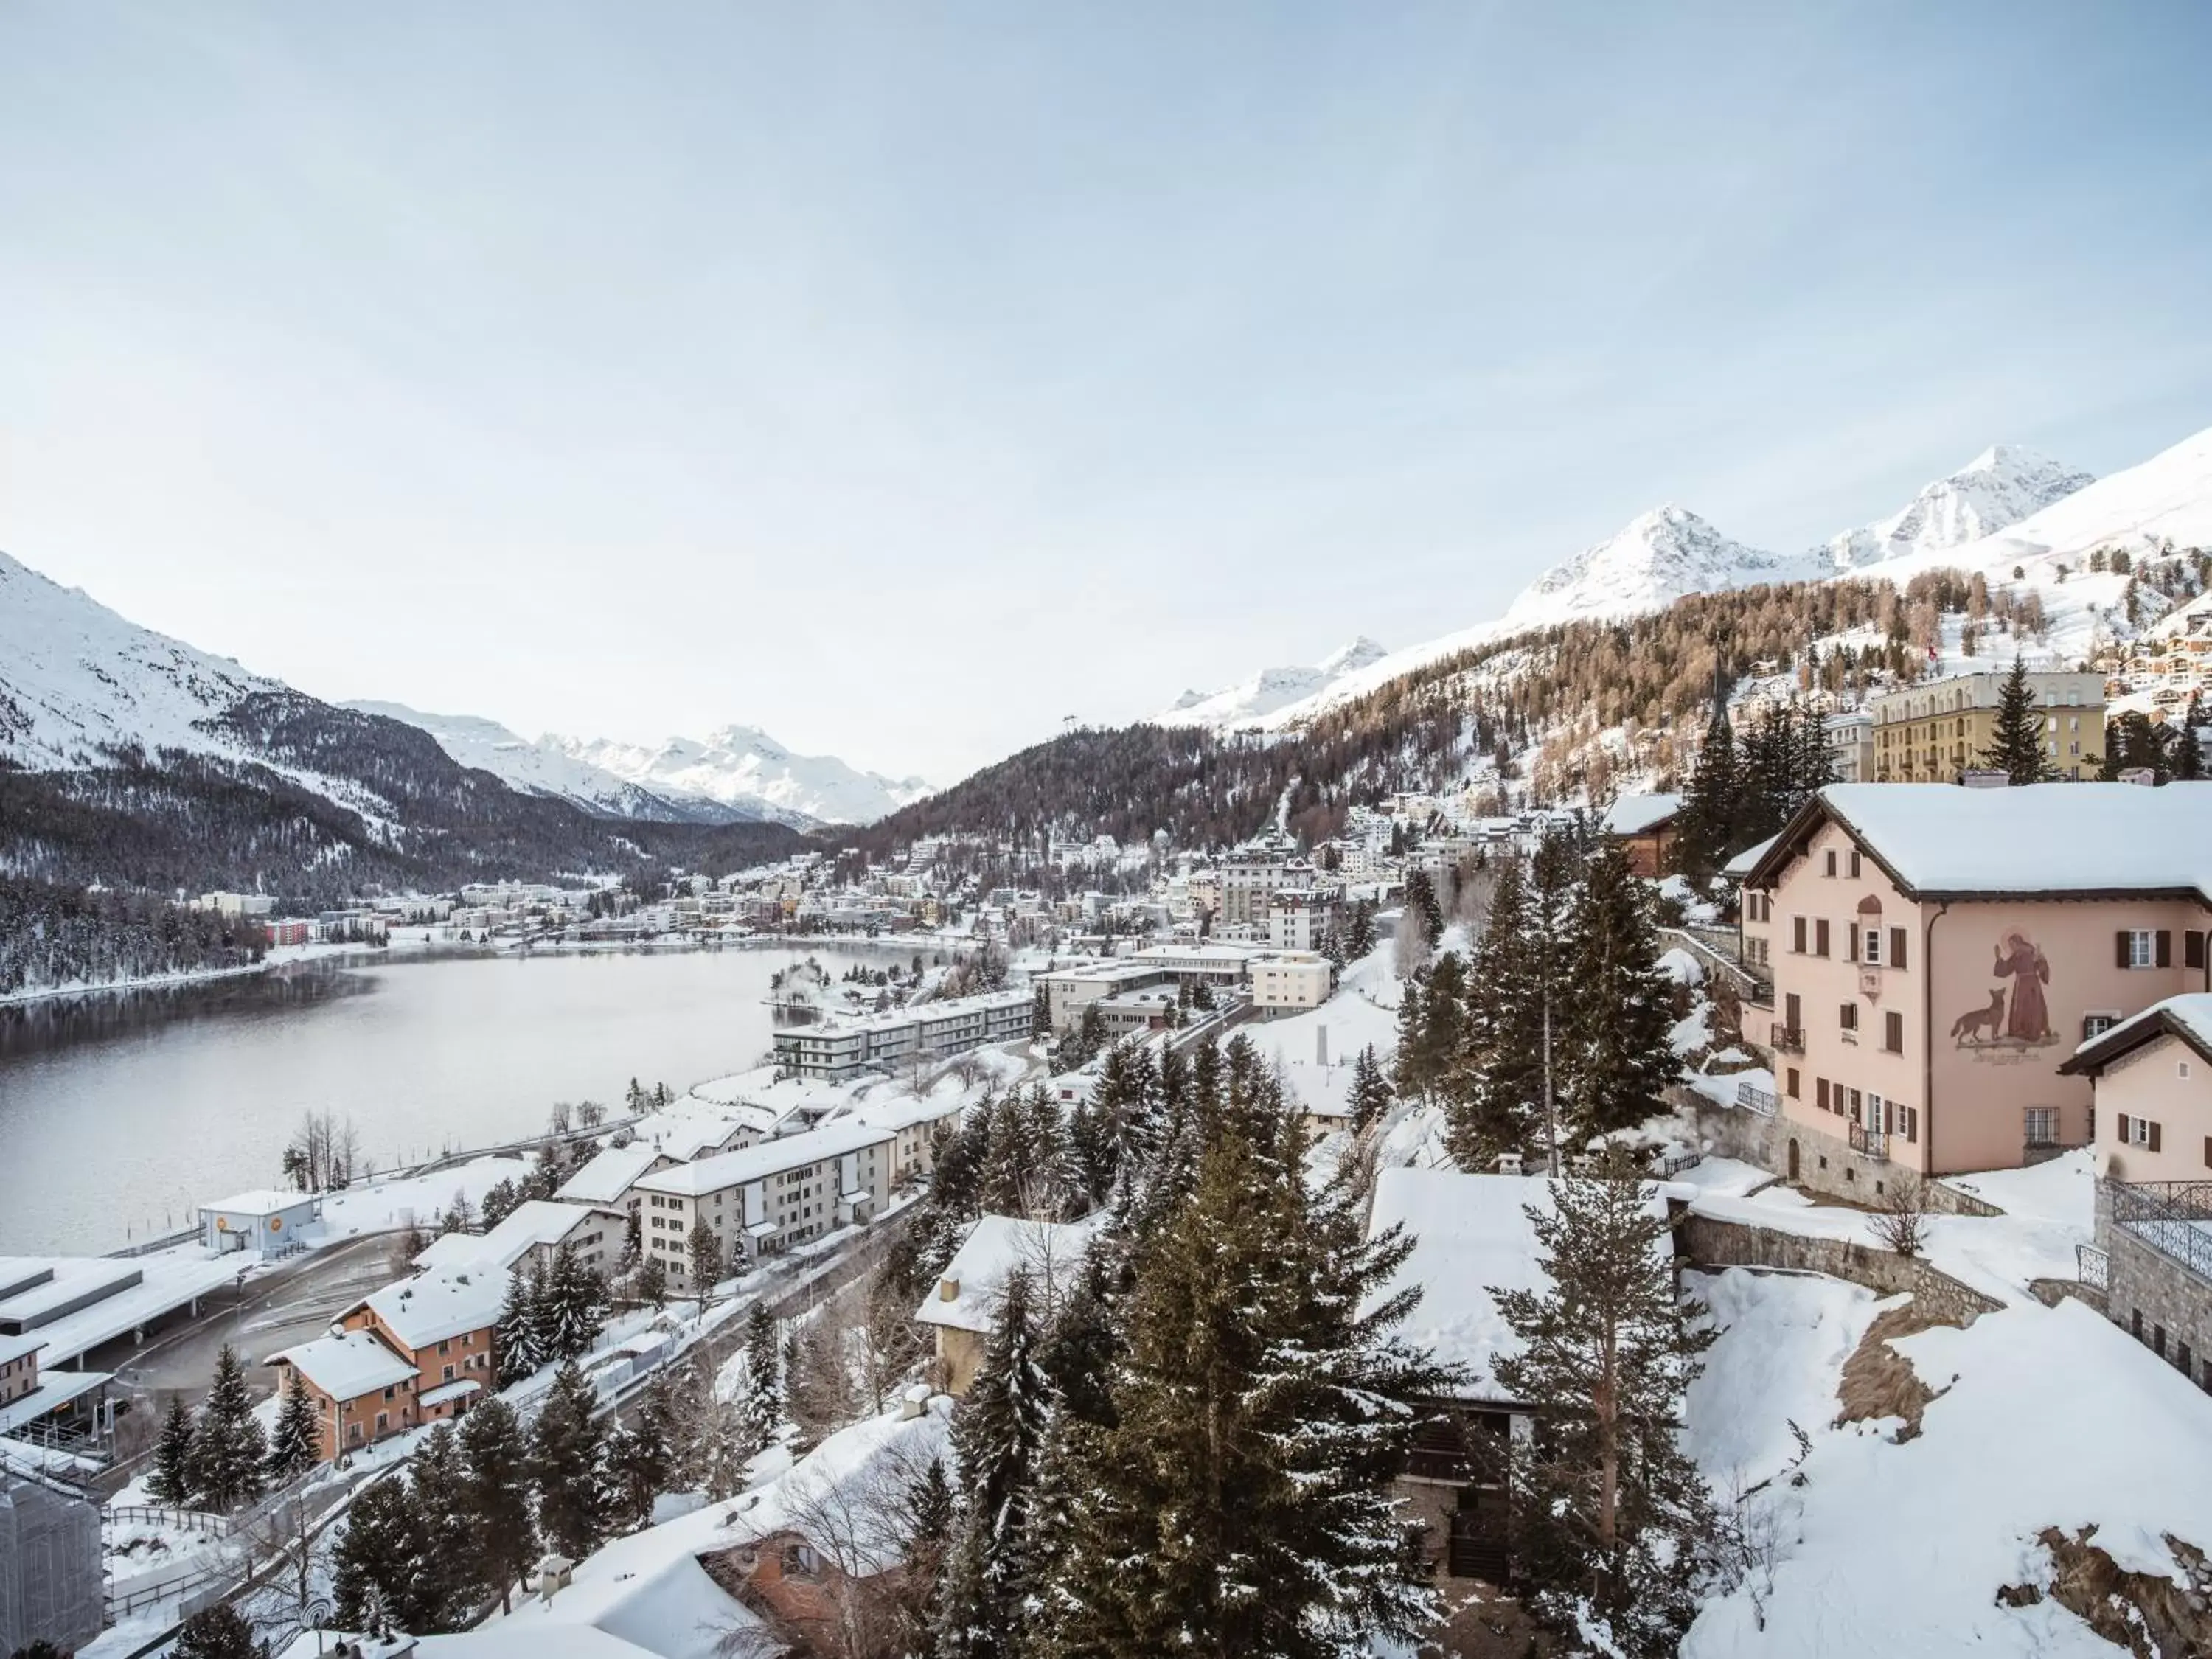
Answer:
(2015, 745)
(996, 1437)
(762, 1413)
(297, 1443)
(443, 1590)
(1713, 801)
(640, 1457)
(220, 1632)
(1618, 1060)
(1408, 1065)
(930, 1512)
(228, 1444)
(652, 1282)
(496, 1457)
(1370, 1091)
(1421, 900)
(1240, 1501)
(170, 1481)
(1494, 1103)
(564, 1465)
(514, 1339)
(1041, 1013)
(705, 1251)
(377, 1559)
(1613, 1515)
(2188, 752)
(570, 1307)
(1360, 931)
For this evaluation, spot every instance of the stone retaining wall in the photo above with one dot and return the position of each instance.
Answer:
(2155, 1298)
(1826, 1162)
(1709, 1242)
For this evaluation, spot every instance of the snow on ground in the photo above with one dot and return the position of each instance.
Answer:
(1729, 1177)
(1352, 1017)
(1679, 965)
(2062, 1192)
(378, 1206)
(2047, 1417)
(1783, 1340)
(1694, 1031)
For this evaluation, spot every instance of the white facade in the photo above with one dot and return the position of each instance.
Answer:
(839, 1048)
(768, 1197)
(265, 1223)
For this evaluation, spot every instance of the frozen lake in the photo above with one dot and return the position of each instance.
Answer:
(119, 1114)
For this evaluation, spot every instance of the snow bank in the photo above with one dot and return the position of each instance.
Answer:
(1783, 1340)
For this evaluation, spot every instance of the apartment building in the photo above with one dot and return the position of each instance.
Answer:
(1249, 877)
(1069, 991)
(1850, 746)
(360, 1389)
(1290, 981)
(767, 1198)
(534, 1232)
(835, 1049)
(913, 1126)
(1933, 731)
(1938, 952)
(442, 1323)
(1300, 918)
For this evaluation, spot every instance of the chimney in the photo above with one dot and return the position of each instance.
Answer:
(948, 1290)
(1320, 1045)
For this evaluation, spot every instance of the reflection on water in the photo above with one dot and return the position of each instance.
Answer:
(119, 1114)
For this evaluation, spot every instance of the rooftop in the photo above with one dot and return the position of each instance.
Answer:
(442, 1302)
(2188, 1017)
(1938, 840)
(710, 1175)
(995, 1248)
(1633, 815)
(261, 1201)
(538, 1221)
(611, 1174)
(346, 1366)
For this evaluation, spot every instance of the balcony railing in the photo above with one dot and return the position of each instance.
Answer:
(1753, 1098)
(2174, 1218)
(1788, 1039)
(1874, 1143)
(2091, 1267)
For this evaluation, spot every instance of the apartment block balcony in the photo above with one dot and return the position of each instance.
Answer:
(1788, 1039)
(1874, 1143)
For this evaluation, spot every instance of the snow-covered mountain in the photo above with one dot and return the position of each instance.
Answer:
(738, 774)
(1662, 555)
(1994, 491)
(743, 766)
(78, 682)
(1270, 689)
(544, 769)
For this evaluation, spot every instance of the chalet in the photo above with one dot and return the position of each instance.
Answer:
(1936, 952)
(1471, 1233)
(442, 1322)
(1645, 827)
(963, 1308)
(2152, 1078)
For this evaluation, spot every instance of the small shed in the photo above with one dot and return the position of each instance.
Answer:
(1645, 827)
(263, 1223)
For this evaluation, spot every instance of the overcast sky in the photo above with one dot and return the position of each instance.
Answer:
(901, 378)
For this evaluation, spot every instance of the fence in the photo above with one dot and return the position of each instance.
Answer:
(1753, 1098)
(2172, 1217)
(155, 1515)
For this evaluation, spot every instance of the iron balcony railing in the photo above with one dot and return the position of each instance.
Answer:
(1753, 1098)
(1789, 1039)
(2091, 1267)
(1874, 1143)
(2172, 1217)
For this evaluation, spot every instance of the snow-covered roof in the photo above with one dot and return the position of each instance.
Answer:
(14, 1347)
(995, 1246)
(838, 1477)
(2188, 1017)
(442, 1302)
(711, 1175)
(261, 1201)
(909, 1111)
(454, 1390)
(1939, 841)
(1471, 1234)
(348, 1365)
(534, 1222)
(611, 1174)
(1744, 862)
(55, 1390)
(1631, 815)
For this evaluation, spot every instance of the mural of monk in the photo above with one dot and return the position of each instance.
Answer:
(2028, 1020)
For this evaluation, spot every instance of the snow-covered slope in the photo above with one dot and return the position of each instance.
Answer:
(1995, 490)
(78, 682)
(742, 765)
(1270, 689)
(544, 769)
(1662, 555)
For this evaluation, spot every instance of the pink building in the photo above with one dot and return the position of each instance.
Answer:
(1937, 952)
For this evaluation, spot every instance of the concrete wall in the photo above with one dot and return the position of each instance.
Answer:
(2151, 1295)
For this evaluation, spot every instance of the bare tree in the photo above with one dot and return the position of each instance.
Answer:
(591, 1113)
(1409, 945)
(561, 1119)
(1901, 1222)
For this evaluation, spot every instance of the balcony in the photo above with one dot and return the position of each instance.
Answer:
(1752, 1097)
(1874, 1143)
(2174, 1218)
(1787, 1039)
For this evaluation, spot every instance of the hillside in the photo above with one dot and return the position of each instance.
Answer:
(132, 760)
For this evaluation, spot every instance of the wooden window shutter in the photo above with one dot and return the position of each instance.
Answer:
(1820, 937)
(1894, 1032)
(1820, 1098)
(1793, 1082)
(1850, 941)
(2120, 1128)
(1912, 1123)
(2123, 957)
(1797, 937)
(2208, 1151)
(2165, 957)
(2192, 949)
(2154, 1137)
(1897, 947)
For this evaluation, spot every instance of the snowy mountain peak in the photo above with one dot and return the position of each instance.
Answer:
(1660, 556)
(744, 767)
(1270, 689)
(2003, 485)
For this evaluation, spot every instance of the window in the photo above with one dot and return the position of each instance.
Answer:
(1790, 1085)
(444, 1347)
(2192, 949)
(2042, 1129)
(1897, 947)
(1832, 861)
(1855, 863)
(1797, 934)
(2094, 1025)
(2139, 947)
(1848, 1017)
(1892, 1032)
(1821, 1099)
(1820, 937)
(1871, 951)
